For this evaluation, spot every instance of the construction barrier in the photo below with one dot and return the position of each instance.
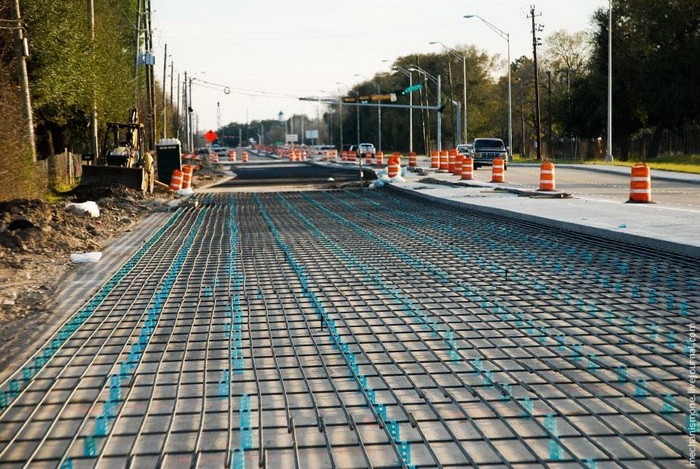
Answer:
(412, 159)
(244, 157)
(451, 160)
(434, 159)
(640, 183)
(458, 164)
(380, 157)
(395, 165)
(368, 158)
(444, 160)
(468, 168)
(187, 171)
(176, 180)
(547, 176)
(497, 171)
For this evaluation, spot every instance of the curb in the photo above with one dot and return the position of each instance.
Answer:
(652, 243)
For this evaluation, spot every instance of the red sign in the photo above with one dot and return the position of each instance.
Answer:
(211, 136)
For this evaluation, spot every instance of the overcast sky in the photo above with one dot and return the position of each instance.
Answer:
(271, 52)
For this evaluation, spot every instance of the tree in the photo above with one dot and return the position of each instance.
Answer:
(566, 54)
(66, 74)
(565, 59)
(656, 49)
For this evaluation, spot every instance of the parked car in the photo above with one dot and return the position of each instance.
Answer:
(487, 149)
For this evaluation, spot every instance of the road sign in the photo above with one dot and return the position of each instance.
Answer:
(382, 97)
(210, 136)
(411, 89)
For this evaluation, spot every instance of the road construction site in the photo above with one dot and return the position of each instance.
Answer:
(362, 328)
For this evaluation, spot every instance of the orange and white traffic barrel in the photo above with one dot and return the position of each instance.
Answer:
(547, 176)
(412, 159)
(497, 170)
(244, 157)
(368, 158)
(434, 159)
(468, 168)
(458, 164)
(176, 180)
(395, 165)
(640, 183)
(187, 176)
(444, 160)
(451, 160)
(380, 157)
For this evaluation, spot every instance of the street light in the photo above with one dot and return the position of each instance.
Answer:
(416, 68)
(410, 103)
(464, 85)
(505, 36)
(379, 111)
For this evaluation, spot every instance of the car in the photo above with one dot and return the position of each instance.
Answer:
(220, 151)
(487, 149)
(466, 149)
(366, 149)
(320, 150)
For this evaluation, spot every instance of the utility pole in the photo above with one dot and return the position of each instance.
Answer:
(549, 113)
(137, 48)
(190, 117)
(150, 82)
(93, 115)
(178, 118)
(165, 108)
(172, 118)
(535, 43)
(22, 53)
(186, 112)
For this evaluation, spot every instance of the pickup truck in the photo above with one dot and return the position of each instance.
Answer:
(487, 149)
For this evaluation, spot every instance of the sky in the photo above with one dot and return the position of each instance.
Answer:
(251, 59)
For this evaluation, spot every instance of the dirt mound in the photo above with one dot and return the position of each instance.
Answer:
(36, 241)
(83, 193)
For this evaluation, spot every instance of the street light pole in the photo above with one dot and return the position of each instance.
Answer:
(608, 153)
(465, 138)
(379, 113)
(438, 81)
(505, 36)
(410, 103)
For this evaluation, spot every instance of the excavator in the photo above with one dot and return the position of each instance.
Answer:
(122, 158)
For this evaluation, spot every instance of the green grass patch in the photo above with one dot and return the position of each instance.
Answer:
(680, 163)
